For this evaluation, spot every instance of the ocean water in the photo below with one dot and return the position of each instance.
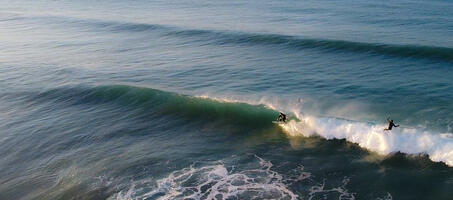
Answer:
(116, 99)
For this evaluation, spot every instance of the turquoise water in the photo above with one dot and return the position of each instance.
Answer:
(117, 99)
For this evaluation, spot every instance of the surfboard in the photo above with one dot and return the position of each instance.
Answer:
(278, 122)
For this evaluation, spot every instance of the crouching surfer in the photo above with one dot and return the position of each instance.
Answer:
(391, 124)
(281, 117)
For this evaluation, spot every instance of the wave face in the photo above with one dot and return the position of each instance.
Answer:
(162, 103)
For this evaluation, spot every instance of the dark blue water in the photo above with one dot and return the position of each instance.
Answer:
(175, 99)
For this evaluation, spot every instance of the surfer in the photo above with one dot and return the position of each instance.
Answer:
(391, 124)
(281, 117)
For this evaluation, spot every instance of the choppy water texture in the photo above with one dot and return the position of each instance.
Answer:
(118, 99)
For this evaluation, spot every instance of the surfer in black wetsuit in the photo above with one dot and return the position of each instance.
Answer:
(281, 117)
(391, 124)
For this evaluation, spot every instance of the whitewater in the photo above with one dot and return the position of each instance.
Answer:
(368, 135)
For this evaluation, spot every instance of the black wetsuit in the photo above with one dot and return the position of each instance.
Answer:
(391, 125)
(282, 117)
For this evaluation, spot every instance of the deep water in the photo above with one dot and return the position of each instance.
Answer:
(116, 99)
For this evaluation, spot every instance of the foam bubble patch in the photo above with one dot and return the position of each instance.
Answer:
(215, 182)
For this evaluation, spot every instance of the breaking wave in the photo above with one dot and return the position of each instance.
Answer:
(371, 136)
(258, 114)
(439, 147)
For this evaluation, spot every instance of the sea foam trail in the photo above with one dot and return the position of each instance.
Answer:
(220, 180)
(216, 182)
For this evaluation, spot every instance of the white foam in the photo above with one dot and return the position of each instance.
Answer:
(438, 146)
(320, 189)
(216, 182)
(387, 197)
